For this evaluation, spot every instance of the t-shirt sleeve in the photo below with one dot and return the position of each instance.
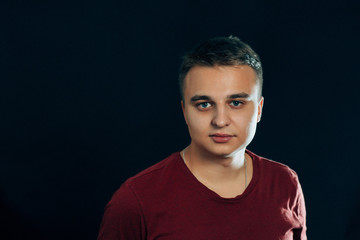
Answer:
(123, 217)
(300, 212)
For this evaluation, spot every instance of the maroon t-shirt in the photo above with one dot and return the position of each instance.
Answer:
(167, 202)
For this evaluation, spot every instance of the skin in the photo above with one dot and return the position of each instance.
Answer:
(221, 100)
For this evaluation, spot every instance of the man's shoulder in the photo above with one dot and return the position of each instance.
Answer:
(275, 176)
(267, 165)
(155, 171)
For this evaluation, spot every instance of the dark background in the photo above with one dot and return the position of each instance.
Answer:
(89, 97)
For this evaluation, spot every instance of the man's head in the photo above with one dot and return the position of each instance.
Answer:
(222, 104)
(221, 51)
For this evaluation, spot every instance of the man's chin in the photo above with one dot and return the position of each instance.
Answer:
(224, 153)
(227, 152)
(220, 150)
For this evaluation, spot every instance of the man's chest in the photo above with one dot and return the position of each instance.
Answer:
(211, 220)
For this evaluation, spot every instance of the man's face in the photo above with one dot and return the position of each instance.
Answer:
(221, 108)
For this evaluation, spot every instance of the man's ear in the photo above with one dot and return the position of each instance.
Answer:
(260, 107)
(183, 110)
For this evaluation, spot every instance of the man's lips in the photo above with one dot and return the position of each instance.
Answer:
(221, 137)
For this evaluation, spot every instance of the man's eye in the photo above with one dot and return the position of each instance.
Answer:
(236, 103)
(203, 105)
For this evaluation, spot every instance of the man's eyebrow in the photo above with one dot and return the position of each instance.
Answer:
(239, 95)
(199, 97)
(232, 96)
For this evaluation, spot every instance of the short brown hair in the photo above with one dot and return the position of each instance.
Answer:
(220, 51)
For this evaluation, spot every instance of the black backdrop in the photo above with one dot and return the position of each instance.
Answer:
(89, 98)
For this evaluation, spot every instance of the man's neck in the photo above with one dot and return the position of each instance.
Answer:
(215, 167)
(228, 176)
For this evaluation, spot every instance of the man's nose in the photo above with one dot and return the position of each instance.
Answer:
(221, 117)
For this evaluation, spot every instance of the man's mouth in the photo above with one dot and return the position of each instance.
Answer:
(221, 137)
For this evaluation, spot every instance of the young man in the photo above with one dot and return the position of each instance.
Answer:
(215, 188)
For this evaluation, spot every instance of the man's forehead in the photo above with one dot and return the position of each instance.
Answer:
(220, 81)
(221, 75)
